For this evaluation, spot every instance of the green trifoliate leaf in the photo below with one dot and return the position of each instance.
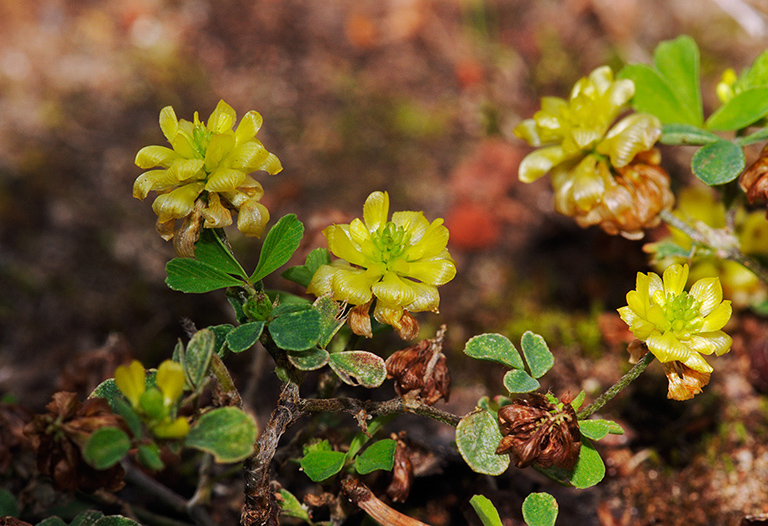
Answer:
(379, 455)
(321, 465)
(686, 134)
(540, 509)
(331, 319)
(718, 163)
(359, 368)
(485, 509)
(106, 447)
(589, 469)
(281, 242)
(537, 354)
(477, 437)
(518, 381)
(244, 336)
(194, 276)
(225, 432)
(496, 348)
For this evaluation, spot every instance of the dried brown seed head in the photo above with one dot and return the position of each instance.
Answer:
(420, 371)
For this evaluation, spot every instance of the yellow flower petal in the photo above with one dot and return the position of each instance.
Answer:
(178, 428)
(539, 162)
(666, 347)
(431, 244)
(717, 319)
(222, 119)
(353, 285)
(709, 292)
(170, 381)
(218, 148)
(433, 271)
(248, 127)
(187, 169)
(322, 280)
(224, 180)
(252, 218)
(710, 342)
(169, 124)
(216, 215)
(156, 156)
(697, 363)
(675, 277)
(182, 143)
(131, 381)
(393, 290)
(158, 180)
(426, 298)
(633, 134)
(376, 210)
(341, 244)
(177, 203)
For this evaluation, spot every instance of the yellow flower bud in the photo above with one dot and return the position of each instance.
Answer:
(170, 381)
(130, 380)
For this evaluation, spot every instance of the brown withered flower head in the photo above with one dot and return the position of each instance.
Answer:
(59, 436)
(420, 371)
(754, 180)
(538, 431)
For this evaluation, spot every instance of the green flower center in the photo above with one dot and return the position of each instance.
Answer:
(201, 137)
(391, 241)
(683, 312)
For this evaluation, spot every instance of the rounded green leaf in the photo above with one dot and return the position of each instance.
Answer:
(149, 456)
(197, 358)
(244, 336)
(320, 465)
(225, 432)
(379, 455)
(477, 437)
(106, 447)
(590, 468)
(485, 509)
(597, 429)
(296, 330)
(518, 381)
(540, 509)
(114, 520)
(359, 368)
(718, 163)
(537, 354)
(87, 518)
(52, 521)
(742, 110)
(8, 505)
(308, 360)
(496, 348)
(291, 507)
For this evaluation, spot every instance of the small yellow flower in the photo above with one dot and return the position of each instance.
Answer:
(130, 379)
(602, 175)
(170, 381)
(679, 326)
(398, 263)
(204, 176)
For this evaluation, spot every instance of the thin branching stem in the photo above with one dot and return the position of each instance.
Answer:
(616, 388)
(730, 252)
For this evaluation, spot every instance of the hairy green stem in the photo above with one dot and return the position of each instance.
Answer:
(370, 408)
(616, 388)
(730, 252)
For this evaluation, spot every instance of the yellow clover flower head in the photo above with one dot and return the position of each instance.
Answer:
(203, 177)
(399, 263)
(601, 174)
(676, 325)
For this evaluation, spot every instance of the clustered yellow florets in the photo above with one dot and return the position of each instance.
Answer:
(398, 263)
(156, 405)
(601, 174)
(679, 326)
(204, 177)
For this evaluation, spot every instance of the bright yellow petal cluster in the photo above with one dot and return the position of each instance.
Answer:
(677, 325)
(398, 262)
(750, 229)
(156, 405)
(203, 177)
(596, 170)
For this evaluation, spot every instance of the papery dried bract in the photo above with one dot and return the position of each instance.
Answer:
(421, 371)
(684, 382)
